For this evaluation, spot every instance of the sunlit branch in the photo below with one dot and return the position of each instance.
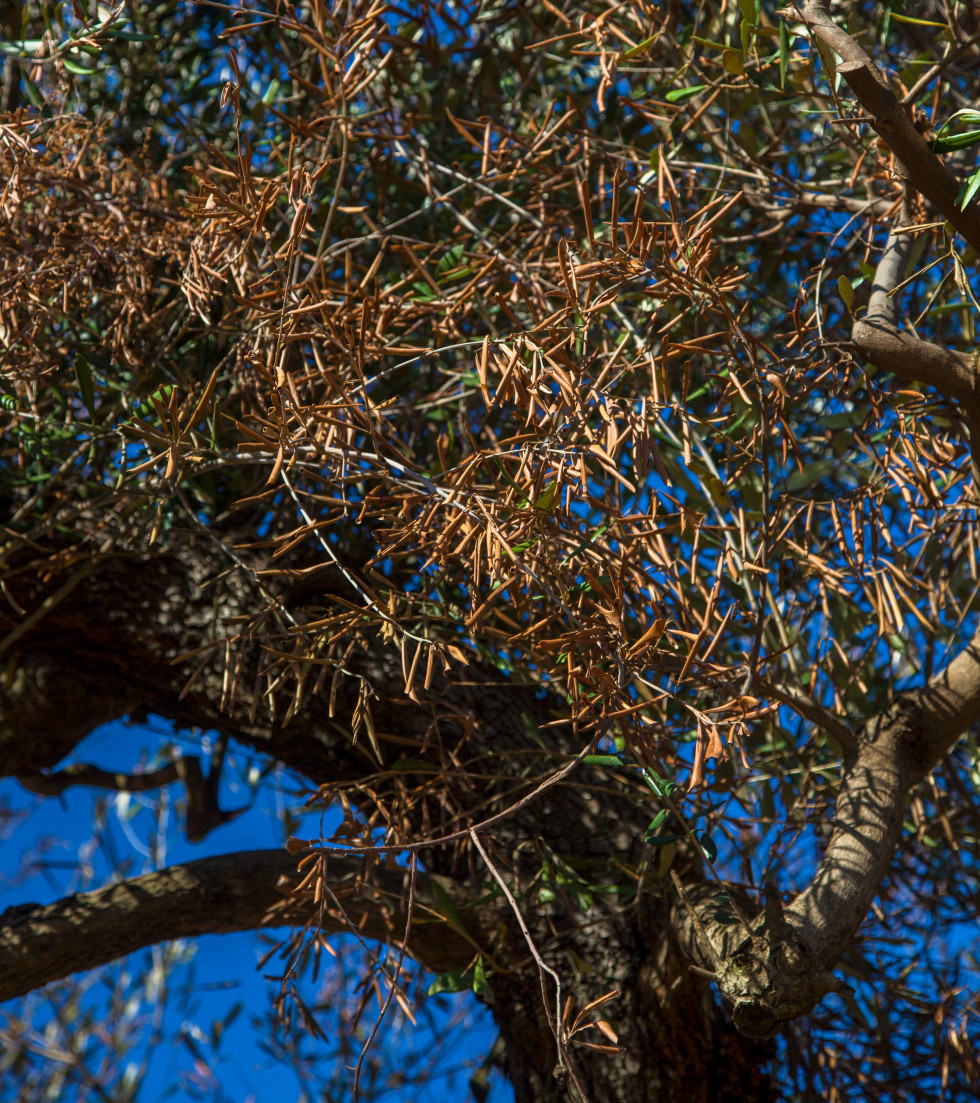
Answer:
(891, 120)
(912, 359)
(784, 968)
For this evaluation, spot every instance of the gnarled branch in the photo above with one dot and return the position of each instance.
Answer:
(781, 968)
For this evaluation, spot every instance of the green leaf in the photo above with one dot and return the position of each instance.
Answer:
(955, 141)
(708, 42)
(423, 292)
(546, 499)
(662, 840)
(450, 260)
(602, 760)
(732, 62)
(638, 49)
(450, 982)
(25, 47)
(660, 785)
(33, 93)
(750, 10)
(783, 54)
(409, 765)
(585, 543)
(503, 471)
(78, 70)
(846, 289)
(86, 385)
(969, 190)
(480, 985)
(667, 854)
(708, 848)
(811, 474)
(918, 22)
(445, 906)
(132, 36)
(846, 420)
(750, 19)
(655, 825)
(678, 95)
(162, 394)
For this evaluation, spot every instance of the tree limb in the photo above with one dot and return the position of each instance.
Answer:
(902, 745)
(233, 892)
(782, 967)
(922, 168)
(203, 812)
(879, 339)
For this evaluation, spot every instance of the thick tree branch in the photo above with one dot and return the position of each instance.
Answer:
(902, 745)
(923, 169)
(898, 749)
(879, 339)
(943, 710)
(782, 965)
(82, 773)
(233, 892)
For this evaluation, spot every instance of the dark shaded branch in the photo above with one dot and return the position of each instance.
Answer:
(233, 892)
(203, 812)
(922, 168)
(781, 209)
(82, 773)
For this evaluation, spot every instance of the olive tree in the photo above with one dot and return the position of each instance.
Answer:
(547, 429)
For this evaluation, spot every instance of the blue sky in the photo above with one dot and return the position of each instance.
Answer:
(55, 846)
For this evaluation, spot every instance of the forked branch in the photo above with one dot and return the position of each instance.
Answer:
(783, 966)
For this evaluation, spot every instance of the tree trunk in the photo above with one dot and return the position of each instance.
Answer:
(677, 1043)
(112, 646)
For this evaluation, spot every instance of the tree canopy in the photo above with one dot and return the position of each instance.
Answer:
(547, 430)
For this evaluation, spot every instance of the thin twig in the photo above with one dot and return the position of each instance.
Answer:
(543, 967)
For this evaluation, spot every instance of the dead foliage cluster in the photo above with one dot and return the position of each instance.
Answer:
(550, 422)
(527, 386)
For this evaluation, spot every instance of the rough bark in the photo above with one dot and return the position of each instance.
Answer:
(777, 965)
(892, 120)
(127, 633)
(126, 638)
(234, 892)
(114, 640)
